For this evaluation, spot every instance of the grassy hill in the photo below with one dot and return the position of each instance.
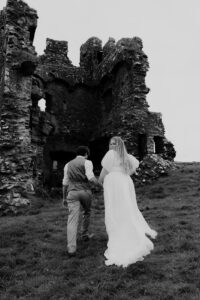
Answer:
(34, 263)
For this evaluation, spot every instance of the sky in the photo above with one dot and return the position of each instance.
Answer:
(170, 30)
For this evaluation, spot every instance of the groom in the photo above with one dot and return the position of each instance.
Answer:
(78, 173)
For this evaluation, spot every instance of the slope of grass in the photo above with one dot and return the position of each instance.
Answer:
(34, 264)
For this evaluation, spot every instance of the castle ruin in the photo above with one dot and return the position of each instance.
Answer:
(104, 96)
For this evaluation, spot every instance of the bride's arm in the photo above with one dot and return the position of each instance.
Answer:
(134, 164)
(102, 175)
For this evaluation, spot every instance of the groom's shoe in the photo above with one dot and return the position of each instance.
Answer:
(71, 254)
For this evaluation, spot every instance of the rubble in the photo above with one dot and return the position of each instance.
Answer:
(152, 167)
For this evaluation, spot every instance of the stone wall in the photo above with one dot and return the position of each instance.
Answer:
(2, 51)
(16, 150)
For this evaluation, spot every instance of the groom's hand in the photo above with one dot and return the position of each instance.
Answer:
(98, 188)
(65, 196)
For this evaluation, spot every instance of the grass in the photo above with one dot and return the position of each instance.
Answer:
(34, 264)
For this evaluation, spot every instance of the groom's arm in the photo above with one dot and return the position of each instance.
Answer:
(89, 172)
(65, 183)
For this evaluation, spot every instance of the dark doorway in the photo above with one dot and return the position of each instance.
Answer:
(98, 149)
(158, 144)
(99, 56)
(107, 100)
(55, 163)
(142, 145)
(59, 159)
(32, 33)
(49, 101)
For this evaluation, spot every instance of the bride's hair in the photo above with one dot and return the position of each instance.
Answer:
(120, 148)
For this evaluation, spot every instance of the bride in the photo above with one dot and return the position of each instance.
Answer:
(126, 227)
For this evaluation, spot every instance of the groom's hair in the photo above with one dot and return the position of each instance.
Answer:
(83, 150)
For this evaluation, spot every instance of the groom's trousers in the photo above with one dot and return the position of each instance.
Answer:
(75, 201)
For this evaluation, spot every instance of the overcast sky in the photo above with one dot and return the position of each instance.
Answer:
(170, 30)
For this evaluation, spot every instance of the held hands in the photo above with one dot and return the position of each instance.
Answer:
(64, 202)
(96, 186)
(65, 192)
(65, 206)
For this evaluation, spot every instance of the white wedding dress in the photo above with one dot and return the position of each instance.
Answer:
(125, 225)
